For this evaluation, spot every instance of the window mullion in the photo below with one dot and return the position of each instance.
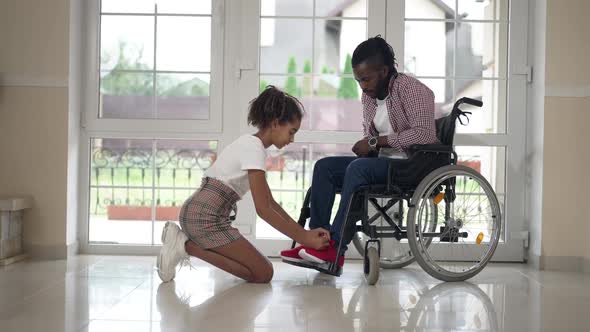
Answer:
(154, 95)
(395, 29)
(153, 207)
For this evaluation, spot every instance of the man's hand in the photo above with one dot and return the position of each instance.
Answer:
(361, 148)
(317, 239)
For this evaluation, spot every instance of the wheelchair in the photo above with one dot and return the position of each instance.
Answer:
(443, 215)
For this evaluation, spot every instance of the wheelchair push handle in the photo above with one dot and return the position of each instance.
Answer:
(457, 113)
(469, 101)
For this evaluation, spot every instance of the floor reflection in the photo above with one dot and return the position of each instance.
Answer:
(234, 308)
(115, 293)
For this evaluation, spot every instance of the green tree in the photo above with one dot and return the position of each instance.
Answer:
(326, 71)
(118, 83)
(325, 88)
(171, 86)
(307, 85)
(307, 67)
(348, 88)
(291, 84)
(263, 85)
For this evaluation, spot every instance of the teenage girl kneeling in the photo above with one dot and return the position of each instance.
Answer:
(207, 232)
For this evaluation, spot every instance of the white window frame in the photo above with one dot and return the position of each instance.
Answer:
(248, 87)
(94, 127)
(388, 19)
(90, 119)
(513, 139)
(237, 35)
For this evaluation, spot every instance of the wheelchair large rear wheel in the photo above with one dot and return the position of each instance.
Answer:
(469, 223)
(395, 254)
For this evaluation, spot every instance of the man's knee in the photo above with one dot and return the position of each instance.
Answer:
(356, 166)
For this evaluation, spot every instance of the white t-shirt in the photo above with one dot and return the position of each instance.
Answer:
(232, 165)
(383, 126)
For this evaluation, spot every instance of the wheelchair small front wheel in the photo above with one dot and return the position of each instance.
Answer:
(469, 223)
(371, 265)
(395, 254)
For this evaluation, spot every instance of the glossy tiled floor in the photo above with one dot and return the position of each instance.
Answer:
(112, 293)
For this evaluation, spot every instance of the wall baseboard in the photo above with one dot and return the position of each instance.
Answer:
(52, 252)
(47, 252)
(534, 261)
(560, 263)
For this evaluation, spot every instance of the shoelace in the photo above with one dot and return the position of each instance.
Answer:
(185, 299)
(186, 261)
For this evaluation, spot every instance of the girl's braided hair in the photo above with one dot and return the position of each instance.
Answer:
(274, 104)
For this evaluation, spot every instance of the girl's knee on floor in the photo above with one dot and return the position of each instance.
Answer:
(262, 275)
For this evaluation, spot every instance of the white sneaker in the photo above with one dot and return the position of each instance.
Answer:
(172, 252)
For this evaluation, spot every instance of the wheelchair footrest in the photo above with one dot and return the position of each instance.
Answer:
(324, 268)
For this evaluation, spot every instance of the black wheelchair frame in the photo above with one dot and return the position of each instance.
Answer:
(404, 176)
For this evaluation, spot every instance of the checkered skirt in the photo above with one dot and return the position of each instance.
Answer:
(205, 216)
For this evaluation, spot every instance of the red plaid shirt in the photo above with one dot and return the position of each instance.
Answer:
(411, 113)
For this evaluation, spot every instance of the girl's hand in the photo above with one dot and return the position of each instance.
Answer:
(317, 239)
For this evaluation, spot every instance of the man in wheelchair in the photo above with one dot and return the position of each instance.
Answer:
(398, 112)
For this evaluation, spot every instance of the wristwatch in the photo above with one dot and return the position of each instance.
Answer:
(373, 143)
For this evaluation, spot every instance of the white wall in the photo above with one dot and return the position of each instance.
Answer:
(75, 89)
(561, 119)
(34, 116)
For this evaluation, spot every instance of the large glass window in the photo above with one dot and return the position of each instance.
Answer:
(289, 174)
(171, 80)
(459, 48)
(155, 59)
(137, 185)
(155, 65)
(306, 49)
(308, 54)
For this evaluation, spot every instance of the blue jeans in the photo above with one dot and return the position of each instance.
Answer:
(344, 174)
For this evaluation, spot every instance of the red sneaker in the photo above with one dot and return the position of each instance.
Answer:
(321, 256)
(292, 255)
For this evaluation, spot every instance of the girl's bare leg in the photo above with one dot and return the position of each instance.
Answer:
(239, 258)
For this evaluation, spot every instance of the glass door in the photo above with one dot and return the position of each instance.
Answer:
(456, 47)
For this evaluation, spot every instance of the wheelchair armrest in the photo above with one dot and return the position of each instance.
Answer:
(423, 152)
(429, 148)
(422, 159)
